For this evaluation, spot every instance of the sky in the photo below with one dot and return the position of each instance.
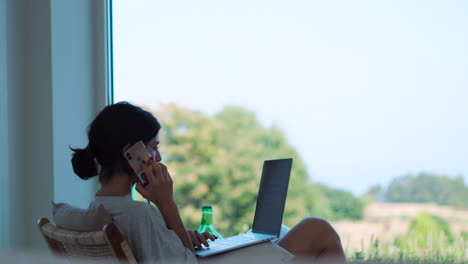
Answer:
(366, 91)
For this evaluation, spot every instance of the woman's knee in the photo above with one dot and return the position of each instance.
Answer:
(315, 222)
(322, 226)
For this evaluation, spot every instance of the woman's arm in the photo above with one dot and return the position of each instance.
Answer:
(160, 192)
(171, 215)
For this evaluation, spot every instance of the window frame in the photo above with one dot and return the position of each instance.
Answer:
(109, 53)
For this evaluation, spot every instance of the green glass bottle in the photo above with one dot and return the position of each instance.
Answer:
(207, 221)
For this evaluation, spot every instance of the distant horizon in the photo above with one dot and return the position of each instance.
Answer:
(366, 91)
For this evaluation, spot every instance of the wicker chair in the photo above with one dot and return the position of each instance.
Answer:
(107, 244)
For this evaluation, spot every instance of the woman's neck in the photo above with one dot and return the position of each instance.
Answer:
(119, 185)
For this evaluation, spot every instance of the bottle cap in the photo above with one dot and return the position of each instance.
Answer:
(207, 208)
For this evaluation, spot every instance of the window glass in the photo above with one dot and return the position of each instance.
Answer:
(368, 97)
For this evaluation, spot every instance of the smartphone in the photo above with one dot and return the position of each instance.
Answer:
(135, 155)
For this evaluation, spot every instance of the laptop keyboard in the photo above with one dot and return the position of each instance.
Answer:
(229, 243)
(236, 240)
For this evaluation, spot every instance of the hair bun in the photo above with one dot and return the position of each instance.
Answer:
(83, 163)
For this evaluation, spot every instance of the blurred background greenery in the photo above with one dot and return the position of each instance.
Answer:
(217, 160)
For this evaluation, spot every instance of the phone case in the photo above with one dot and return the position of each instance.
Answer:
(135, 155)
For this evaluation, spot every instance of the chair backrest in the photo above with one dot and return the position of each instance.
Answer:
(105, 244)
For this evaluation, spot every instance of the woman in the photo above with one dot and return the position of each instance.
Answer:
(154, 235)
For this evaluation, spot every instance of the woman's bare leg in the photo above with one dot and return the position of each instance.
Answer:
(315, 238)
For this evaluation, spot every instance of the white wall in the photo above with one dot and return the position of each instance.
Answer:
(52, 83)
(75, 44)
(4, 169)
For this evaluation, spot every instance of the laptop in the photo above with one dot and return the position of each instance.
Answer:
(268, 213)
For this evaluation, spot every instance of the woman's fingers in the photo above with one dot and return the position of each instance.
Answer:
(165, 172)
(202, 239)
(194, 239)
(141, 190)
(162, 169)
(207, 235)
(152, 169)
(198, 239)
(155, 166)
(160, 187)
(147, 169)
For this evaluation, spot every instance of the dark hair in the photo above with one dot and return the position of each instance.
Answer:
(114, 127)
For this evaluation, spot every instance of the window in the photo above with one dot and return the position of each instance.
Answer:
(361, 94)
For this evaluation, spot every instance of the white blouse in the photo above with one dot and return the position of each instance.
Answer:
(145, 230)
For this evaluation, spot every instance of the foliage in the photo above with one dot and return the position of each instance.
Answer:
(218, 160)
(375, 193)
(342, 204)
(464, 235)
(386, 253)
(426, 232)
(423, 188)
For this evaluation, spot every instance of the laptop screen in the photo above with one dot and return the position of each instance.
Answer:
(272, 196)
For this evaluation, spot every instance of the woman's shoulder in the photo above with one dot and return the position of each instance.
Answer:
(141, 207)
(118, 205)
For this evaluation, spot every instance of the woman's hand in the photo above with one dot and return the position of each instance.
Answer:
(160, 187)
(199, 239)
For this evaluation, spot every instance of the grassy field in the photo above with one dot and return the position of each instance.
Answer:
(372, 239)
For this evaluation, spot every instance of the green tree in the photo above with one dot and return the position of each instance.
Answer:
(343, 204)
(218, 160)
(424, 188)
(375, 193)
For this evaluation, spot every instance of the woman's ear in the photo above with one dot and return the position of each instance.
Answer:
(126, 147)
